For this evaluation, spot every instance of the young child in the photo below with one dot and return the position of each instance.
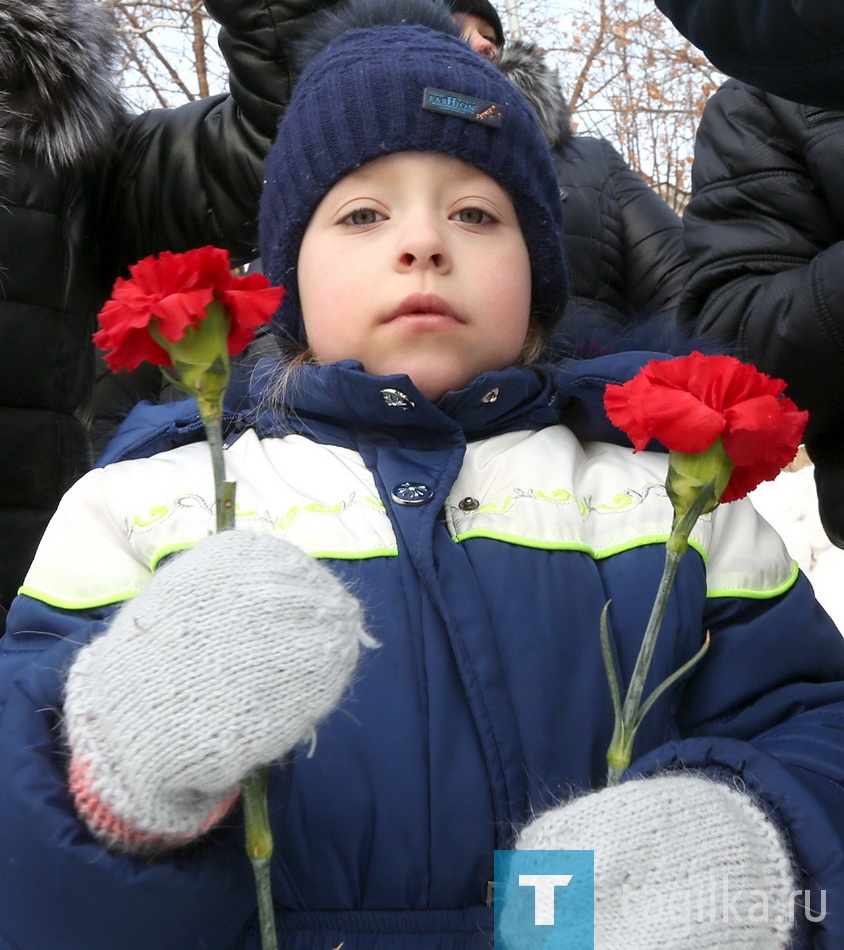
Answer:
(406, 618)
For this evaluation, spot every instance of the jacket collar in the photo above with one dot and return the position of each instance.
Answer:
(326, 401)
(343, 398)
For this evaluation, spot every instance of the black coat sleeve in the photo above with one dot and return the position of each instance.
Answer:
(764, 233)
(623, 243)
(185, 177)
(792, 48)
(652, 234)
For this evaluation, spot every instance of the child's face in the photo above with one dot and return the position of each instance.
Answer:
(415, 263)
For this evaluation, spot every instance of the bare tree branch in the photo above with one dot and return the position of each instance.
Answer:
(630, 78)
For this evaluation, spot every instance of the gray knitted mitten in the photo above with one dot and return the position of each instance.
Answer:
(680, 861)
(227, 659)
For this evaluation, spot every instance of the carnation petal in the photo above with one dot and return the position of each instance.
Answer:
(762, 438)
(167, 294)
(250, 307)
(751, 426)
(687, 402)
(720, 381)
(680, 421)
(131, 349)
(653, 405)
(623, 404)
(178, 311)
(741, 483)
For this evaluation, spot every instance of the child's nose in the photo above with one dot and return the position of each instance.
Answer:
(435, 259)
(423, 246)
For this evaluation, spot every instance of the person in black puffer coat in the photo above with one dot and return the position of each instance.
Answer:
(794, 48)
(86, 190)
(765, 234)
(624, 244)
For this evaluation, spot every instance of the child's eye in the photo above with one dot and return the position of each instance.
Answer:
(361, 217)
(472, 216)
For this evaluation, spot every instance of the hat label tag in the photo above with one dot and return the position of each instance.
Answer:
(462, 106)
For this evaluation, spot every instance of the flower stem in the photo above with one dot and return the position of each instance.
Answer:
(259, 839)
(259, 847)
(620, 752)
(212, 420)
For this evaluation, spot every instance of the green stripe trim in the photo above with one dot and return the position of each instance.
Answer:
(104, 601)
(596, 553)
(391, 551)
(759, 594)
(756, 594)
(600, 553)
(116, 598)
(159, 556)
(355, 555)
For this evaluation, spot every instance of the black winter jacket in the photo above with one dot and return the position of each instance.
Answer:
(86, 190)
(624, 244)
(765, 235)
(794, 48)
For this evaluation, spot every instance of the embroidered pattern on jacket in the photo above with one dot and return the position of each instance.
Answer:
(279, 521)
(541, 490)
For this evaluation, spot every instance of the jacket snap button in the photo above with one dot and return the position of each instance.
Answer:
(468, 504)
(396, 399)
(412, 493)
(491, 396)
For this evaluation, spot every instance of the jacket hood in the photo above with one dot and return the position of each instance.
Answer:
(526, 68)
(57, 91)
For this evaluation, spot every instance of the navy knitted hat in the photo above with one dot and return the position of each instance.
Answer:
(390, 87)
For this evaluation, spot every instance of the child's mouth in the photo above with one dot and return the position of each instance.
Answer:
(425, 308)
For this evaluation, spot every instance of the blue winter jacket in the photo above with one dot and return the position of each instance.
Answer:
(486, 700)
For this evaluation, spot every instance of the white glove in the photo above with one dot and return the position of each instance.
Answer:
(680, 861)
(227, 659)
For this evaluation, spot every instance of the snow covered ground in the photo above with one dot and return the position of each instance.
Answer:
(790, 504)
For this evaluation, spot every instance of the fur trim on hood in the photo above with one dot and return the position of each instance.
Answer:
(525, 67)
(57, 89)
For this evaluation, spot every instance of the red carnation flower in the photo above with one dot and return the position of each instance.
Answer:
(168, 294)
(688, 403)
